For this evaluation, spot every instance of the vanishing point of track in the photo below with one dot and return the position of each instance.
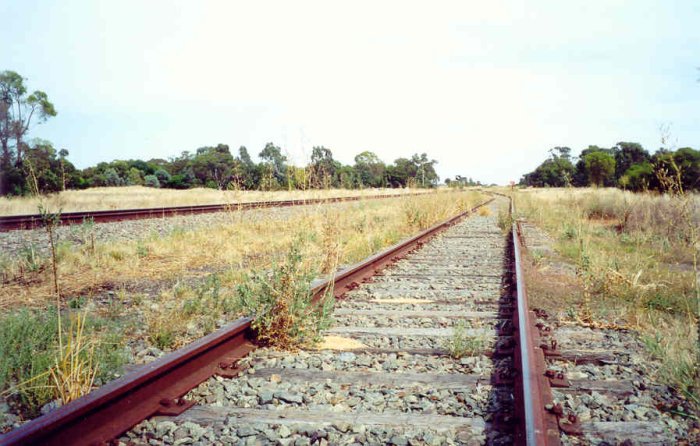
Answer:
(394, 384)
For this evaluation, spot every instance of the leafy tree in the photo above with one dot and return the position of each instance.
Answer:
(274, 166)
(600, 167)
(151, 181)
(555, 171)
(638, 177)
(112, 178)
(627, 154)
(18, 110)
(688, 161)
(163, 176)
(370, 170)
(213, 166)
(135, 177)
(323, 167)
(247, 173)
(401, 172)
(425, 170)
(581, 176)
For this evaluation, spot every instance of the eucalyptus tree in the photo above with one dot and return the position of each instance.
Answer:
(17, 112)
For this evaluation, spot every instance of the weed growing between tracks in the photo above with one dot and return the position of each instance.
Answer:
(280, 302)
(626, 260)
(461, 344)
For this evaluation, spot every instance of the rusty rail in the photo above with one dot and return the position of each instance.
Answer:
(158, 387)
(538, 427)
(30, 221)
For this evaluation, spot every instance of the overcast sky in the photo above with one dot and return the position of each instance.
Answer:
(484, 87)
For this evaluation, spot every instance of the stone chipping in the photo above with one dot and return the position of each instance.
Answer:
(286, 385)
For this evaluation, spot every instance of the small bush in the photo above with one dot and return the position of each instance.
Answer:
(151, 181)
(460, 344)
(281, 305)
(28, 351)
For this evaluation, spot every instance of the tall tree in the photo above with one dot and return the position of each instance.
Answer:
(323, 167)
(274, 166)
(626, 155)
(600, 167)
(18, 111)
(425, 170)
(370, 170)
(555, 171)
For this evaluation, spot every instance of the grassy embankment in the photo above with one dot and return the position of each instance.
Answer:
(167, 291)
(133, 197)
(635, 259)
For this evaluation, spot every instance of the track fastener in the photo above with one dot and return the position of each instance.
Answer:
(557, 379)
(551, 348)
(568, 424)
(172, 407)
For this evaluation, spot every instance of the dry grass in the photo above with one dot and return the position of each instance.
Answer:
(345, 234)
(132, 197)
(633, 257)
(75, 369)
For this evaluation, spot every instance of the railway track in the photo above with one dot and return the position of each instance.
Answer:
(31, 221)
(385, 374)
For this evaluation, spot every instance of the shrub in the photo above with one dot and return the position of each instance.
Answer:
(151, 181)
(280, 302)
(162, 175)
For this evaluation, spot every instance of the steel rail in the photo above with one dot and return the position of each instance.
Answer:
(157, 388)
(30, 221)
(539, 427)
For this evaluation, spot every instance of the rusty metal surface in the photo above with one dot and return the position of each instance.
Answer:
(538, 426)
(18, 222)
(155, 388)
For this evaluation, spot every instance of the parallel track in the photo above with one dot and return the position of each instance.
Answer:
(31, 221)
(389, 285)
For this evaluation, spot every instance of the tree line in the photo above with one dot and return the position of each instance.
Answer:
(37, 165)
(626, 165)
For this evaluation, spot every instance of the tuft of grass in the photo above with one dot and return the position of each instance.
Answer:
(280, 301)
(484, 211)
(461, 344)
(30, 350)
(75, 366)
(505, 220)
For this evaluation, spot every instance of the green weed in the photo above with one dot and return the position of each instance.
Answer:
(280, 302)
(461, 344)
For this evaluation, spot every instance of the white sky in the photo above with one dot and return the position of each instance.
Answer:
(486, 88)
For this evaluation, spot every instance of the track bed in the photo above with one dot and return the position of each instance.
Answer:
(399, 386)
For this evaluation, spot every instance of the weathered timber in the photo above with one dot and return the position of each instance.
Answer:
(418, 313)
(435, 380)
(209, 415)
(407, 332)
(648, 433)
